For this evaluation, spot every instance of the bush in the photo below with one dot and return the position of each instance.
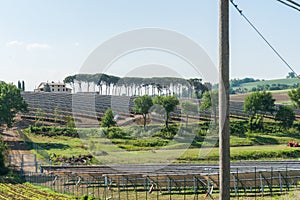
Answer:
(108, 119)
(296, 125)
(52, 131)
(167, 133)
(115, 133)
(238, 128)
(155, 142)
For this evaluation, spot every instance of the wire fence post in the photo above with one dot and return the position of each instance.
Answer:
(255, 184)
(271, 189)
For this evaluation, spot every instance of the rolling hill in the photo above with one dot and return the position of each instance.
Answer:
(263, 83)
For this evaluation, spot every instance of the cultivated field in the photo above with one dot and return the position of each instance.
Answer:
(281, 96)
(29, 192)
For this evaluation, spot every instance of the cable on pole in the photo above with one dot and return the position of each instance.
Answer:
(260, 34)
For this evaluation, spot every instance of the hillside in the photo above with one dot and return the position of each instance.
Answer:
(275, 84)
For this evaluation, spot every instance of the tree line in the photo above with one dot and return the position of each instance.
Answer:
(165, 105)
(135, 86)
(258, 105)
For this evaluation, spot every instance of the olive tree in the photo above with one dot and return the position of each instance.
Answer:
(11, 102)
(258, 104)
(169, 103)
(286, 116)
(142, 105)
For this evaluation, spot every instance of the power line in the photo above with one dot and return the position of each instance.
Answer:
(293, 2)
(260, 34)
(289, 5)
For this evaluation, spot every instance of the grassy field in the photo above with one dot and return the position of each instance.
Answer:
(58, 147)
(290, 82)
(281, 96)
(252, 146)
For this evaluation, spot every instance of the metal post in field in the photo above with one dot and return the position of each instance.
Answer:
(224, 139)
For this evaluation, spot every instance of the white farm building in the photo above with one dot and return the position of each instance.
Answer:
(53, 87)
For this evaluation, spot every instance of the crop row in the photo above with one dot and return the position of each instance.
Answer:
(27, 192)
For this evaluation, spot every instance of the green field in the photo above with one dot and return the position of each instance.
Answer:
(289, 81)
(251, 146)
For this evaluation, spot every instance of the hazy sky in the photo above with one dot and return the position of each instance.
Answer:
(44, 40)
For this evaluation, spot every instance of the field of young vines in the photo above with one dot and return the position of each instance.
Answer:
(26, 191)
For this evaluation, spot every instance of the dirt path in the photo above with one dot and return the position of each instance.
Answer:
(17, 149)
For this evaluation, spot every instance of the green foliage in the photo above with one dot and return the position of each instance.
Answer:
(142, 105)
(189, 108)
(238, 128)
(255, 122)
(259, 102)
(259, 154)
(198, 87)
(70, 79)
(3, 169)
(210, 101)
(169, 103)
(159, 85)
(277, 84)
(23, 86)
(238, 82)
(291, 75)
(39, 116)
(84, 197)
(167, 133)
(295, 96)
(286, 116)
(47, 88)
(158, 136)
(296, 125)
(141, 143)
(70, 122)
(115, 132)
(56, 114)
(19, 85)
(108, 119)
(11, 102)
(13, 190)
(52, 131)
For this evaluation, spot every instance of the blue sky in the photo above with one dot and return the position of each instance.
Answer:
(44, 40)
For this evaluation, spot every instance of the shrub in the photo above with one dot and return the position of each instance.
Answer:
(108, 119)
(238, 128)
(167, 133)
(114, 133)
(51, 131)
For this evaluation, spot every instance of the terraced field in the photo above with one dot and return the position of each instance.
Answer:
(26, 191)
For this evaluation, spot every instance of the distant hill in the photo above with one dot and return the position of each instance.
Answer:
(276, 84)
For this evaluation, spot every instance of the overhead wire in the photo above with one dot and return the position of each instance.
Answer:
(293, 2)
(266, 41)
(297, 7)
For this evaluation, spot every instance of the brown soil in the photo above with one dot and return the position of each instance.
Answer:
(280, 97)
(16, 148)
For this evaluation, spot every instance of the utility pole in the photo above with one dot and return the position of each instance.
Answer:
(224, 139)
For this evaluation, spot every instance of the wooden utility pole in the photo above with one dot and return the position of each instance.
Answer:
(224, 139)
